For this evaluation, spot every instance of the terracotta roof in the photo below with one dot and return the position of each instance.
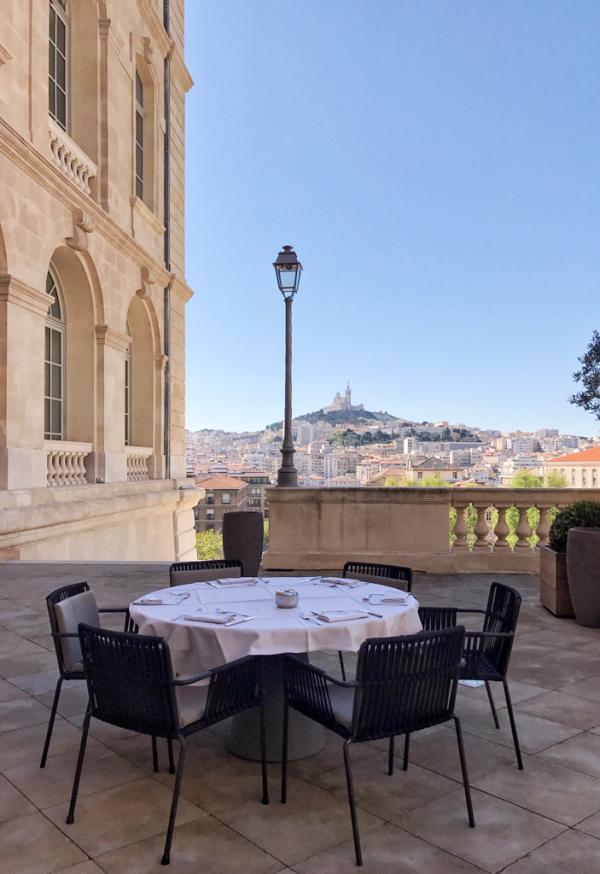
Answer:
(592, 454)
(221, 482)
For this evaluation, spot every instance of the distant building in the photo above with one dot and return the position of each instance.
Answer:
(223, 493)
(580, 469)
(342, 403)
(257, 490)
(434, 467)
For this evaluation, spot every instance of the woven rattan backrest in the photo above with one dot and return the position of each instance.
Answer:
(406, 683)
(384, 574)
(51, 601)
(502, 612)
(437, 618)
(235, 690)
(196, 571)
(129, 680)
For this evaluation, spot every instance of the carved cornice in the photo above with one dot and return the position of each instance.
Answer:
(14, 291)
(82, 226)
(106, 336)
(148, 279)
(48, 177)
(180, 71)
(108, 31)
(155, 26)
(180, 288)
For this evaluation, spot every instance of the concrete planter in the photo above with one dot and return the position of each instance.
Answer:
(583, 569)
(243, 534)
(554, 586)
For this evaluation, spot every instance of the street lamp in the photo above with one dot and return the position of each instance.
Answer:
(288, 270)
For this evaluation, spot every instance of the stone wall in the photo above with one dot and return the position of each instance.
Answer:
(69, 205)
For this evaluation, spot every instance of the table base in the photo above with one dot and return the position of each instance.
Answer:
(306, 737)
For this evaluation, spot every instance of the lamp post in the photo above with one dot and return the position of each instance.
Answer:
(288, 270)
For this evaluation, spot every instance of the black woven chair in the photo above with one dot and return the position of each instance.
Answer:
(403, 684)
(385, 574)
(487, 652)
(131, 684)
(66, 638)
(194, 571)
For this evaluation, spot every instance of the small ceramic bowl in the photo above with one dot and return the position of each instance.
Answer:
(287, 598)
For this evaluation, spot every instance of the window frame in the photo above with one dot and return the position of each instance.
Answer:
(61, 12)
(55, 324)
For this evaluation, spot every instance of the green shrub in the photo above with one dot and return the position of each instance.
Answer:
(582, 514)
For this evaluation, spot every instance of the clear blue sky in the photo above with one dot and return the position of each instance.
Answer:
(436, 164)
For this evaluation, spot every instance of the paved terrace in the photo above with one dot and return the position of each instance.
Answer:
(546, 818)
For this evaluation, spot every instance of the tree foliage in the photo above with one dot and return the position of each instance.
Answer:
(523, 479)
(209, 545)
(589, 377)
(555, 480)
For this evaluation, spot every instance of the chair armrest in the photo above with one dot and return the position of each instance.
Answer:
(61, 634)
(214, 672)
(187, 681)
(314, 670)
(113, 609)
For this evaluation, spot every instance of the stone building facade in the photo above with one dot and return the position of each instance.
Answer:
(92, 286)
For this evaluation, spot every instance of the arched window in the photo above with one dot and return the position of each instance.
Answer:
(58, 59)
(128, 392)
(54, 357)
(139, 136)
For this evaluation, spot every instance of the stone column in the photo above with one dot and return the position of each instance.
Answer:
(110, 460)
(23, 311)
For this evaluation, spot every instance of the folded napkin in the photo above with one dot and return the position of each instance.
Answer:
(235, 581)
(340, 615)
(387, 599)
(341, 581)
(155, 602)
(219, 619)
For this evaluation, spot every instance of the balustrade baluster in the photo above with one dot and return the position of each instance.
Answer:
(543, 528)
(482, 529)
(460, 529)
(523, 530)
(501, 530)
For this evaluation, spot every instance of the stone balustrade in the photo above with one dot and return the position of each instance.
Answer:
(137, 463)
(69, 158)
(66, 463)
(436, 530)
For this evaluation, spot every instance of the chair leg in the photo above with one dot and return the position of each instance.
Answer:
(77, 778)
(176, 790)
(342, 667)
(465, 773)
(513, 725)
(406, 751)
(391, 756)
(284, 752)
(154, 755)
(488, 689)
(352, 803)
(51, 722)
(170, 751)
(263, 751)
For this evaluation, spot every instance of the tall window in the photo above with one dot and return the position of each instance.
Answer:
(139, 137)
(54, 357)
(58, 70)
(128, 393)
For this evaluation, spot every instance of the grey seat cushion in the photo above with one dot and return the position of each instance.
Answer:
(178, 578)
(69, 613)
(191, 703)
(342, 702)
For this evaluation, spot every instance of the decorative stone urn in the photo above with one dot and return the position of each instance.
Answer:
(554, 586)
(583, 569)
(243, 534)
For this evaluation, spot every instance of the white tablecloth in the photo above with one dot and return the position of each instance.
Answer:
(196, 647)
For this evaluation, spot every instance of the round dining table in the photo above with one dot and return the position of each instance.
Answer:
(211, 623)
